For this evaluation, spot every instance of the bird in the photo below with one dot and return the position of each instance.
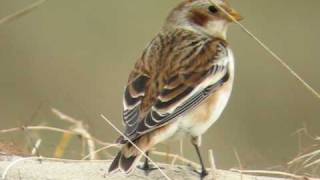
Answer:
(180, 84)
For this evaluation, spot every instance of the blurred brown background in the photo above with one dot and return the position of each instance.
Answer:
(76, 55)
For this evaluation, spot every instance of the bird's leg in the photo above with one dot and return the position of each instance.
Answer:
(196, 141)
(146, 166)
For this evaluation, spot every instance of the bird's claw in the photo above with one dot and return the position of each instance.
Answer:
(202, 174)
(148, 168)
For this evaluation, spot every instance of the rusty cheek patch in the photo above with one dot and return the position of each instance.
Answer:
(198, 17)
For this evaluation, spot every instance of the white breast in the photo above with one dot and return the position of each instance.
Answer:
(197, 121)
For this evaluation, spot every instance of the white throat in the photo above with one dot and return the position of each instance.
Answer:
(217, 29)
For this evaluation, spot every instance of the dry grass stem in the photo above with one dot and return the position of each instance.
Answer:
(238, 158)
(271, 52)
(181, 147)
(47, 128)
(173, 162)
(212, 163)
(35, 149)
(80, 129)
(162, 154)
(308, 159)
(101, 149)
(133, 144)
(65, 117)
(177, 157)
(21, 12)
(60, 149)
(314, 163)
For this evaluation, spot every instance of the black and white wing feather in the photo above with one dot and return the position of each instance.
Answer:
(158, 93)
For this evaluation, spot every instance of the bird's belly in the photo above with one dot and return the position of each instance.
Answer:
(197, 121)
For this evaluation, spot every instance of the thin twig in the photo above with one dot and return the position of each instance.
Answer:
(80, 129)
(309, 159)
(47, 128)
(304, 156)
(36, 128)
(312, 163)
(133, 144)
(101, 149)
(181, 148)
(212, 163)
(21, 12)
(64, 117)
(238, 158)
(271, 52)
(90, 142)
(35, 149)
(175, 156)
(173, 161)
(64, 141)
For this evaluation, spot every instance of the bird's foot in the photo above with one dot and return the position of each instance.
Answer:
(148, 168)
(202, 174)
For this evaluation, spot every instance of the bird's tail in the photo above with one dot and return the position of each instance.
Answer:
(126, 159)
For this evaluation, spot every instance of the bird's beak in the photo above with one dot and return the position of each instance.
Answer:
(236, 16)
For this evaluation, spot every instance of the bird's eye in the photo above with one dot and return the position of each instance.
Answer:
(213, 9)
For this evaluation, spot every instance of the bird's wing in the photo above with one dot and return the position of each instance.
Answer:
(159, 93)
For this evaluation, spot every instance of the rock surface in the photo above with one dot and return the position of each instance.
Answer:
(29, 169)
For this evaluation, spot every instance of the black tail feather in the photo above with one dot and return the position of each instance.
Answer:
(123, 163)
(115, 163)
(126, 164)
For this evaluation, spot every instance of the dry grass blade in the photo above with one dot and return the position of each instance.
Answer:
(60, 149)
(35, 149)
(238, 158)
(134, 145)
(300, 158)
(101, 149)
(176, 157)
(36, 128)
(316, 162)
(79, 128)
(21, 12)
(271, 52)
(212, 163)
(52, 129)
(65, 117)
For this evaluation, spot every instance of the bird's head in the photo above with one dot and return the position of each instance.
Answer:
(203, 16)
